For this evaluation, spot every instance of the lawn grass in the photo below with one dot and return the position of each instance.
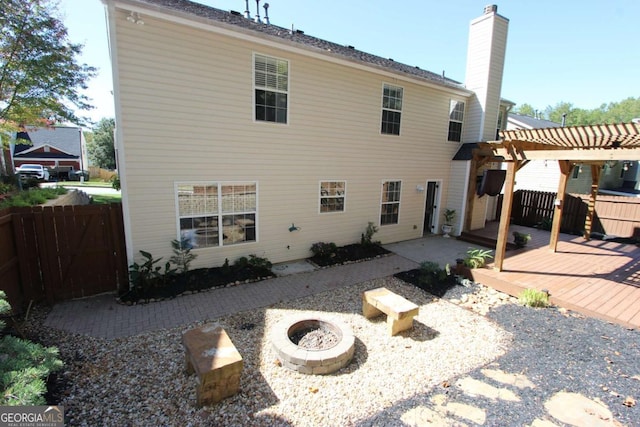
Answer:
(92, 183)
(100, 199)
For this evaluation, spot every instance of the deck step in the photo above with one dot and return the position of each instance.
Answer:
(487, 242)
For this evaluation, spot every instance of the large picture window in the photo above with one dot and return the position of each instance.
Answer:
(456, 118)
(390, 208)
(391, 109)
(216, 214)
(332, 195)
(271, 83)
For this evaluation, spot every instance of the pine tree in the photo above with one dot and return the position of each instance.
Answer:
(24, 366)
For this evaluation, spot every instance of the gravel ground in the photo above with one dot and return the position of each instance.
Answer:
(391, 380)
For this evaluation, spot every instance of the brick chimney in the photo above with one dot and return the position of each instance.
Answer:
(485, 65)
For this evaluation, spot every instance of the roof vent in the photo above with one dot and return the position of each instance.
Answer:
(266, 13)
(247, 14)
(491, 8)
(257, 19)
(235, 13)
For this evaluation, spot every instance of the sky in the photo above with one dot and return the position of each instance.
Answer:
(584, 52)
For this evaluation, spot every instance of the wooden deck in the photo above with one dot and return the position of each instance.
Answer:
(596, 278)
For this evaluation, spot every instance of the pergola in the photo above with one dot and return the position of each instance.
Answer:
(593, 145)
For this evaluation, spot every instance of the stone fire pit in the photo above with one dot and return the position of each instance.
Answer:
(313, 344)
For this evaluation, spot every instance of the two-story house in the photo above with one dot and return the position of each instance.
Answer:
(248, 138)
(62, 149)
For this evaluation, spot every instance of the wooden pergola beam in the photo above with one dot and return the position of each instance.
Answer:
(565, 170)
(577, 155)
(592, 144)
(591, 210)
(505, 215)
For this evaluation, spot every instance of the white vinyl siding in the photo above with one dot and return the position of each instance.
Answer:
(186, 116)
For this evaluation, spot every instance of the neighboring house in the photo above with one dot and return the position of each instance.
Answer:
(540, 175)
(60, 148)
(249, 138)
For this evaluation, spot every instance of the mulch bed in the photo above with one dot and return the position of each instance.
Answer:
(350, 253)
(196, 280)
(203, 279)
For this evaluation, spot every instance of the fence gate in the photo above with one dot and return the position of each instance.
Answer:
(62, 252)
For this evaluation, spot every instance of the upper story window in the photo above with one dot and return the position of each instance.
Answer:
(332, 195)
(390, 205)
(271, 83)
(456, 117)
(391, 109)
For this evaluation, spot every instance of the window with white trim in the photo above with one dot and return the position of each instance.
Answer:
(332, 196)
(391, 109)
(456, 118)
(390, 205)
(271, 87)
(216, 214)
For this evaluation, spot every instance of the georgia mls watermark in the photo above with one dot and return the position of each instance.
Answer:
(31, 416)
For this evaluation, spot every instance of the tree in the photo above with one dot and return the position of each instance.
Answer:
(100, 146)
(24, 366)
(555, 113)
(525, 110)
(614, 112)
(40, 78)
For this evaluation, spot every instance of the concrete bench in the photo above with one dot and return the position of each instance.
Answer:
(210, 353)
(399, 311)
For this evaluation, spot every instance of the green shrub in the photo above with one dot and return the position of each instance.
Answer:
(115, 182)
(534, 298)
(323, 250)
(431, 273)
(253, 261)
(32, 197)
(546, 224)
(366, 238)
(24, 367)
(477, 258)
(257, 261)
(147, 275)
(6, 188)
(521, 239)
(182, 256)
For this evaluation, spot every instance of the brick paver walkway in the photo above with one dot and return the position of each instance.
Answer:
(103, 317)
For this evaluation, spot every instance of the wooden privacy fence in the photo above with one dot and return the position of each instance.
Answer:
(614, 215)
(61, 252)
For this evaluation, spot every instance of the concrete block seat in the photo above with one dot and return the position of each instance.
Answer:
(400, 311)
(210, 353)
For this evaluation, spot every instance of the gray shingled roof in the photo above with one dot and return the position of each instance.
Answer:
(201, 12)
(66, 139)
(533, 123)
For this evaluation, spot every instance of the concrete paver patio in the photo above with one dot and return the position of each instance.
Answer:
(103, 317)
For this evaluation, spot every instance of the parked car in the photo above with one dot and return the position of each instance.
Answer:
(79, 175)
(38, 172)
